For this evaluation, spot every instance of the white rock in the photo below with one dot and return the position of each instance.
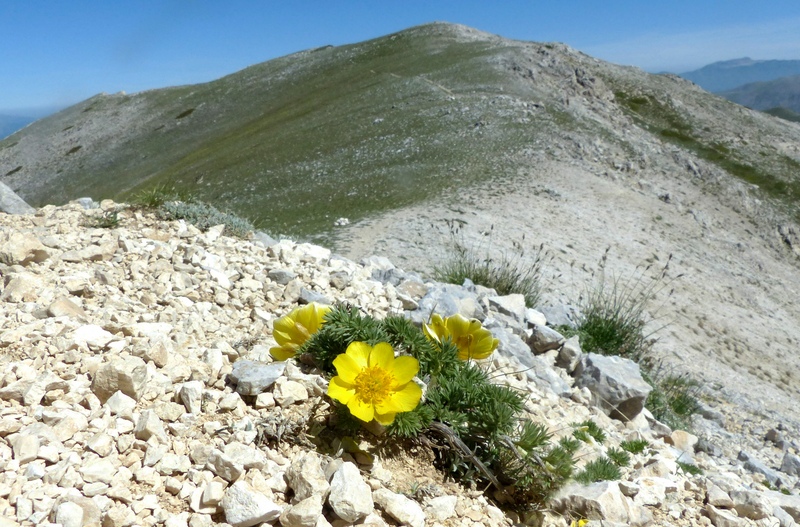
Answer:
(441, 508)
(303, 514)
(69, 514)
(223, 466)
(93, 336)
(149, 425)
(350, 496)
(402, 509)
(245, 455)
(244, 506)
(118, 516)
(306, 477)
(26, 448)
(120, 404)
(102, 469)
(191, 395)
(128, 375)
(287, 392)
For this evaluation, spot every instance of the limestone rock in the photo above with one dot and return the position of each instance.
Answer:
(252, 378)
(128, 375)
(21, 248)
(306, 477)
(402, 509)
(600, 501)
(244, 506)
(11, 203)
(350, 496)
(544, 339)
(616, 385)
(302, 514)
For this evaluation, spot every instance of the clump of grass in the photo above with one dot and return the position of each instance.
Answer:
(674, 398)
(505, 272)
(601, 469)
(688, 468)
(614, 312)
(614, 322)
(154, 197)
(634, 446)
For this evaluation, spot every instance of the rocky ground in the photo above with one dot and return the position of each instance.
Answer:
(137, 389)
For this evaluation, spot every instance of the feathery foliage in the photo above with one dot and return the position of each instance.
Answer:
(601, 469)
(475, 423)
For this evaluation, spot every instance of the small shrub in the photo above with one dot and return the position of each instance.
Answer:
(674, 398)
(108, 220)
(688, 468)
(634, 446)
(601, 469)
(204, 216)
(585, 430)
(502, 271)
(619, 457)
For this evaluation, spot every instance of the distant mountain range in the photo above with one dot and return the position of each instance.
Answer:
(730, 74)
(779, 93)
(771, 86)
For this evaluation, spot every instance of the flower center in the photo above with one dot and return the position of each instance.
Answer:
(373, 384)
(464, 342)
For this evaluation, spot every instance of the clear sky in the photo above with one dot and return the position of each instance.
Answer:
(58, 52)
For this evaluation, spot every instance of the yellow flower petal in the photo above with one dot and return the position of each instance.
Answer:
(405, 368)
(403, 400)
(367, 382)
(347, 368)
(385, 419)
(359, 352)
(281, 352)
(457, 325)
(382, 356)
(340, 390)
(361, 409)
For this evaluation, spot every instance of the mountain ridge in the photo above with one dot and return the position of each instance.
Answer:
(729, 74)
(393, 120)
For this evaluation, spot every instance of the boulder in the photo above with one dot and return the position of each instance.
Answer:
(616, 385)
(11, 203)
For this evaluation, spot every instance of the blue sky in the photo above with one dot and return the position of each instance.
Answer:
(58, 52)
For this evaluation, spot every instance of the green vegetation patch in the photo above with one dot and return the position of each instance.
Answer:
(776, 179)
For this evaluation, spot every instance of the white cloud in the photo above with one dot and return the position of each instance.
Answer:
(682, 52)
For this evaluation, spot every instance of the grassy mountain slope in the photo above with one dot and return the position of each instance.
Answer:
(783, 113)
(778, 93)
(296, 142)
(729, 74)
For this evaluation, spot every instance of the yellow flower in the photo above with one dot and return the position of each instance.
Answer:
(472, 340)
(578, 523)
(373, 383)
(292, 330)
